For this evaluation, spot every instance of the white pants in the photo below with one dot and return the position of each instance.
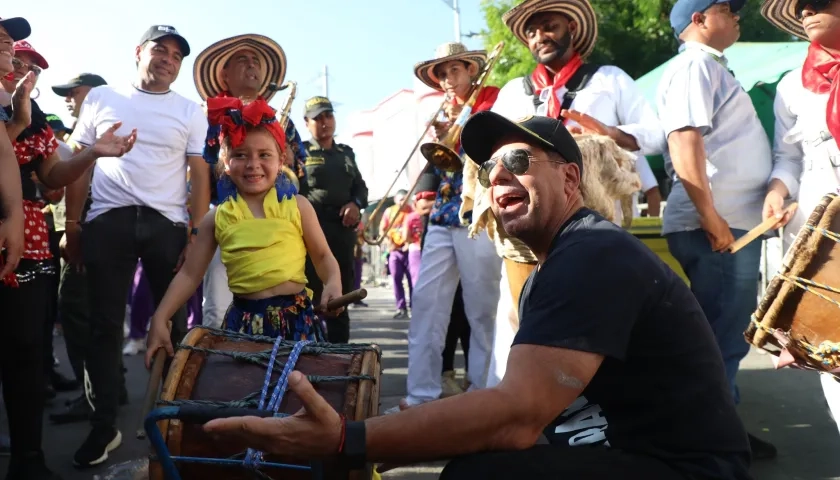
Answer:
(503, 333)
(217, 295)
(831, 390)
(448, 255)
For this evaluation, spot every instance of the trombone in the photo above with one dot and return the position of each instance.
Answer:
(440, 155)
(443, 155)
(284, 122)
(378, 240)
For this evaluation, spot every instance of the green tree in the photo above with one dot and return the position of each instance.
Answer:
(634, 35)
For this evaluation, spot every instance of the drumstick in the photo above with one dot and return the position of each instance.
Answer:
(345, 300)
(152, 389)
(758, 231)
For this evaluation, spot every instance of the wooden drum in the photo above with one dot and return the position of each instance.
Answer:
(214, 366)
(798, 319)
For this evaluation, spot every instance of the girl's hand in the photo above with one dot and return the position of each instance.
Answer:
(332, 290)
(158, 338)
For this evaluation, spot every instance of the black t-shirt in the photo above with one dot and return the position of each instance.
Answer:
(661, 389)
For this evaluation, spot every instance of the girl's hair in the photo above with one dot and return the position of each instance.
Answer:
(225, 148)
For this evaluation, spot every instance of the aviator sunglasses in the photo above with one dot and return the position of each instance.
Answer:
(516, 162)
(816, 5)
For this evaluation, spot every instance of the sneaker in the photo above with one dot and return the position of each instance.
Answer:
(99, 442)
(30, 466)
(761, 449)
(360, 304)
(78, 410)
(449, 386)
(61, 383)
(401, 314)
(403, 405)
(134, 346)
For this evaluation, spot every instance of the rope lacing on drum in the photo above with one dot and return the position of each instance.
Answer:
(826, 351)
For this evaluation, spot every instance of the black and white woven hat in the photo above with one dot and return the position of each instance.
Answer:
(581, 11)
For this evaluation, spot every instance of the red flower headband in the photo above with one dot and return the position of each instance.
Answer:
(229, 118)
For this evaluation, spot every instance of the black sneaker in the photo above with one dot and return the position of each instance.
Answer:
(30, 467)
(63, 384)
(761, 449)
(401, 314)
(78, 410)
(99, 442)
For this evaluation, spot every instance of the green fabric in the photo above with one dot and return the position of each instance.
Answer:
(758, 66)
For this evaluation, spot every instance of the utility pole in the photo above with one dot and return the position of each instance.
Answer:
(326, 83)
(457, 20)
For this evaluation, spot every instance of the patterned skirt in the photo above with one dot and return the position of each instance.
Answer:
(289, 316)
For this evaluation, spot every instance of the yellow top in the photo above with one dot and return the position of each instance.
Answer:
(260, 253)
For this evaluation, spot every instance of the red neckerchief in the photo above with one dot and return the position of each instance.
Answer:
(222, 111)
(819, 75)
(542, 79)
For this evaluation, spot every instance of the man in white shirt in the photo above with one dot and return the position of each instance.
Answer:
(719, 160)
(603, 99)
(139, 211)
(806, 147)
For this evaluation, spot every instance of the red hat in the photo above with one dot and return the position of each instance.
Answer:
(24, 46)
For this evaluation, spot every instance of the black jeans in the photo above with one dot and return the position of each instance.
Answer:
(23, 315)
(342, 243)
(459, 329)
(112, 244)
(550, 462)
(52, 303)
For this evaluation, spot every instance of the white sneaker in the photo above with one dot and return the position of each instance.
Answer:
(135, 346)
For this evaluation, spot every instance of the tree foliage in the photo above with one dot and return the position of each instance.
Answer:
(634, 35)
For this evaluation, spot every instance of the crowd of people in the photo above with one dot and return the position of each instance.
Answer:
(219, 214)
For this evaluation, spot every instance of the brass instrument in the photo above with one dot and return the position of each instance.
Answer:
(283, 118)
(378, 240)
(442, 155)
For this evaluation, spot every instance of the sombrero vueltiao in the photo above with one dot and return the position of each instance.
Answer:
(782, 14)
(448, 52)
(581, 11)
(209, 64)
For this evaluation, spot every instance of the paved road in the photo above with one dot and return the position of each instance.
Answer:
(785, 407)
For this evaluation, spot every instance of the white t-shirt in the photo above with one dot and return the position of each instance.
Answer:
(170, 128)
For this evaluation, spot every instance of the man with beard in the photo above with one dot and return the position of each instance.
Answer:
(139, 211)
(596, 98)
(247, 67)
(807, 127)
(630, 386)
(720, 161)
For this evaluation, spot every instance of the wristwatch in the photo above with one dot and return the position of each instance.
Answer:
(194, 231)
(354, 452)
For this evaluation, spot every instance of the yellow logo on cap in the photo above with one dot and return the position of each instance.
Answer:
(316, 101)
(524, 119)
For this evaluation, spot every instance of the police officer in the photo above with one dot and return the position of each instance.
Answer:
(338, 193)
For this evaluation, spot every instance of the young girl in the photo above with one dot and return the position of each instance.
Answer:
(263, 229)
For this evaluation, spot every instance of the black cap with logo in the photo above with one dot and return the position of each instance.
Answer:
(56, 124)
(316, 106)
(81, 80)
(156, 32)
(484, 130)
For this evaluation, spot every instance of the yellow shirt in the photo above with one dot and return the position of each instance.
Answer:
(260, 253)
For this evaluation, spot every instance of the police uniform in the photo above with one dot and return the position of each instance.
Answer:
(333, 180)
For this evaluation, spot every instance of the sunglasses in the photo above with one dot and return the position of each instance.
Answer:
(18, 63)
(516, 162)
(816, 5)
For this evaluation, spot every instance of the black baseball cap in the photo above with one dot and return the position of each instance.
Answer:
(18, 28)
(484, 130)
(316, 106)
(83, 79)
(156, 32)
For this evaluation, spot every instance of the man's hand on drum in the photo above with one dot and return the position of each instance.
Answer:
(313, 432)
(158, 338)
(774, 203)
(332, 290)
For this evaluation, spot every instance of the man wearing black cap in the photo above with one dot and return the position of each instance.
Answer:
(75, 90)
(618, 388)
(139, 211)
(338, 192)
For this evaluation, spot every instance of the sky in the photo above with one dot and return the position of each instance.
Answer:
(369, 46)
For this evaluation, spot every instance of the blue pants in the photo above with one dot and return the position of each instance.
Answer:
(726, 286)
